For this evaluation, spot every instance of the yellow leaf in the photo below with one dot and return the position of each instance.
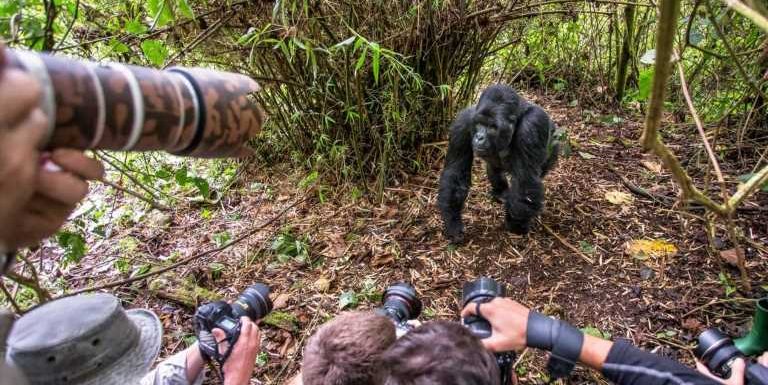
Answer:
(618, 197)
(650, 248)
(652, 166)
(322, 284)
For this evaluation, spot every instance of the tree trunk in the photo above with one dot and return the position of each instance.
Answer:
(623, 63)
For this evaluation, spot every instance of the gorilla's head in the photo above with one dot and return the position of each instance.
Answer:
(494, 121)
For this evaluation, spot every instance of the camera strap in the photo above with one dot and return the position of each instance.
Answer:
(561, 339)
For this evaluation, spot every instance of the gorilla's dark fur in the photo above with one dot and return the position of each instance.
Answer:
(513, 137)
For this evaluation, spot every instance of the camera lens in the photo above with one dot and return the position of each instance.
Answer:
(717, 352)
(480, 290)
(254, 303)
(401, 302)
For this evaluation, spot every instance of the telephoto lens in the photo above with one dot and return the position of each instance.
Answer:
(400, 303)
(112, 106)
(253, 303)
(717, 351)
(481, 290)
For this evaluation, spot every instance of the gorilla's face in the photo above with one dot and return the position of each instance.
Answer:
(494, 122)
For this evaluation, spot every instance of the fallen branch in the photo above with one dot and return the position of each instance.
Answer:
(149, 201)
(567, 244)
(191, 258)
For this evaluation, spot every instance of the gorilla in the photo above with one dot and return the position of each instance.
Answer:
(514, 137)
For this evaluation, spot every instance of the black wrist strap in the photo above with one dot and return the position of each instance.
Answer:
(560, 338)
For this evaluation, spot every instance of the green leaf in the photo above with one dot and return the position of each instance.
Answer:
(135, 27)
(164, 173)
(348, 299)
(155, 51)
(73, 245)
(309, 180)
(361, 59)
(595, 332)
(182, 176)
(216, 270)
(645, 83)
(202, 186)
(222, 238)
(262, 359)
(186, 10)
(118, 47)
(376, 50)
(586, 247)
(141, 270)
(160, 11)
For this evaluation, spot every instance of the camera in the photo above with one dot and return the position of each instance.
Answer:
(717, 351)
(253, 303)
(194, 112)
(400, 304)
(483, 290)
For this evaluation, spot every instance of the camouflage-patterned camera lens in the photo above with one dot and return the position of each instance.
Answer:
(185, 111)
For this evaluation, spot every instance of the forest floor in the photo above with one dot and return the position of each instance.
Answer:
(574, 263)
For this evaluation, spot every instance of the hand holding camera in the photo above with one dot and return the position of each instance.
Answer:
(508, 320)
(219, 325)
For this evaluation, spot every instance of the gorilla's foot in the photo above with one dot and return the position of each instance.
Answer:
(454, 234)
(517, 226)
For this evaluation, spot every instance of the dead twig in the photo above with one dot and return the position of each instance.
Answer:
(191, 258)
(149, 201)
(567, 244)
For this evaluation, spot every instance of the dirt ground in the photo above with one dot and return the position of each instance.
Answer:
(573, 264)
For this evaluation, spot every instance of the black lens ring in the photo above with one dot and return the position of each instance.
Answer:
(201, 119)
(483, 289)
(405, 294)
(705, 356)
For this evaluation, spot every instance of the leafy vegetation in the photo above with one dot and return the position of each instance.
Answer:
(359, 96)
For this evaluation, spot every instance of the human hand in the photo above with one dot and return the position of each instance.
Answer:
(509, 323)
(22, 128)
(61, 182)
(737, 372)
(238, 368)
(763, 360)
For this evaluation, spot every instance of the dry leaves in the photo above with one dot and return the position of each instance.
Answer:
(652, 166)
(619, 198)
(731, 256)
(281, 301)
(643, 249)
(322, 284)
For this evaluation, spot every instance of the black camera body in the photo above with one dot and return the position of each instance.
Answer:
(717, 351)
(479, 291)
(253, 303)
(400, 304)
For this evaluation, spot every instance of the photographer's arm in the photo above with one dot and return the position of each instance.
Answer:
(187, 367)
(620, 362)
(36, 194)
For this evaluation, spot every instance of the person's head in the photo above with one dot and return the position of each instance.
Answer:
(85, 340)
(439, 353)
(347, 350)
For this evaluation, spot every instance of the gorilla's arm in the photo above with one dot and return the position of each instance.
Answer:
(498, 181)
(524, 198)
(457, 176)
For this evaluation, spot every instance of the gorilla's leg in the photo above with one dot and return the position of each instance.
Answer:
(498, 181)
(456, 177)
(523, 201)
